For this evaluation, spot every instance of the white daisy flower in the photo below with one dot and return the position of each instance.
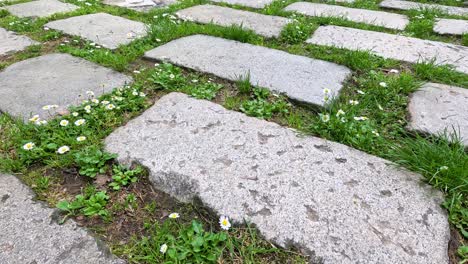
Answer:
(95, 101)
(383, 84)
(81, 138)
(64, 123)
(172, 76)
(80, 122)
(28, 146)
(142, 94)
(46, 107)
(35, 118)
(105, 102)
(63, 149)
(136, 72)
(443, 168)
(326, 91)
(135, 93)
(163, 248)
(360, 92)
(90, 93)
(224, 222)
(360, 118)
(375, 133)
(110, 106)
(353, 102)
(174, 215)
(340, 112)
(75, 114)
(87, 108)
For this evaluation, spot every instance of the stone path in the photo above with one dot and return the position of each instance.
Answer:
(140, 5)
(437, 107)
(106, 30)
(11, 42)
(249, 3)
(408, 5)
(392, 46)
(40, 8)
(30, 233)
(451, 26)
(27, 86)
(335, 202)
(267, 26)
(377, 18)
(301, 78)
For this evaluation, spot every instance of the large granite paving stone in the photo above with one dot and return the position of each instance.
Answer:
(53, 79)
(268, 26)
(249, 3)
(451, 26)
(11, 42)
(377, 18)
(392, 46)
(330, 200)
(104, 29)
(140, 5)
(40, 8)
(408, 5)
(31, 234)
(300, 78)
(436, 108)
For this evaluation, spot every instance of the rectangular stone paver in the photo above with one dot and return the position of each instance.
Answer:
(249, 3)
(268, 26)
(31, 232)
(53, 79)
(451, 26)
(330, 200)
(140, 5)
(11, 42)
(437, 107)
(392, 46)
(408, 5)
(106, 30)
(300, 78)
(377, 18)
(40, 8)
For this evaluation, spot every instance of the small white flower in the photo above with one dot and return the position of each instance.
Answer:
(80, 122)
(360, 118)
(163, 248)
(87, 108)
(443, 168)
(375, 133)
(325, 117)
(81, 138)
(135, 93)
(174, 215)
(353, 102)
(340, 112)
(158, 40)
(95, 101)
(28, 146)
(33, 119)
(142, 94)
(64, 123)
(105, 102)
(343, 120)
(41, 122)
(110, 106)
(383, 84)
(360, 92)
(224, 222)
(194, 80)
(75, 114)
(63, 149)
(326, 91)
(394, 71)
(172, 76)
(46, 107)
(90, 93)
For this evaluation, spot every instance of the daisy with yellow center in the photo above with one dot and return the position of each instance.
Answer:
(81, 138)
(224, 222)
(63, 149)
(75, 114)
(325, 117)
(64, 123)
(163, 248)
(110, 106)
(174, 215)
(28, 146)
(80, 122)
(340, 112)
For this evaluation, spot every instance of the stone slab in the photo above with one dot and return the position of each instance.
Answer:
(451, 26)
(40, 8)
(106, 30)
(140, 5)
(377, 18)
(11, 42)
(301, 78)
(392, 46)
(30, 233)
(408, 5)
(248, 3)
(26, 86)
(267, 26)
(438, 107)
(330, 200)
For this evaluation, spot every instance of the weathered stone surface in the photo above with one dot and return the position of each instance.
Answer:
(40, 8)
(438, 107)
(377, 18)
(104, 29)
(451, 26)
(61, 79)
(140, 5)
(11, 42)
(338, 203)
(249, 3)
(300, 78)
(408, 5)
(268, 26)
(392, 46)
(30, 233)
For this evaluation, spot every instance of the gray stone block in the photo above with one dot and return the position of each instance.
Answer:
(30, 233)
(330, 200)
(11, 42)
(268, 26)
(392, 46)
(436, 108)
(408, 5)
(40, 8)
(106, 30)
(376, 18)
(53, 79)
(249, 3)
(451, 26)
(300, 78)
(140, 5)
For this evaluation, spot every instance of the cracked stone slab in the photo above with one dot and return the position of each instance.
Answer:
(376, 18)
(438, 107)
(334, 202)
(106, 30)
(451, 26)
(140, 5)
(392, 46)
(10, 42)
(267, 26)
(408, 5)
(300, 78)
(248, 3)
(53, 79)
(30, 233)
(40, 8)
